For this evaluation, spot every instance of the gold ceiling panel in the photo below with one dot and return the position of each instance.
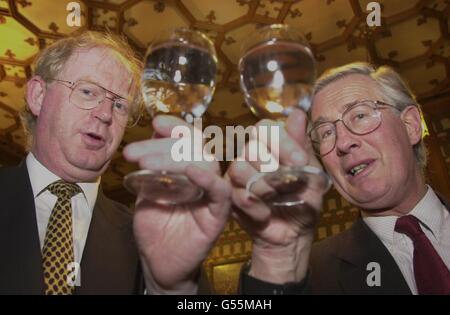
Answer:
(117, 2)
(13, 71)
(105, 18)
(17, 42)
(426, 77)
(444, 49)
(439, 5)
(11, 94)
(409, 39)
(227, 104)
(392, 7)
(269, 9)
(321, 20)
(233, 40)
(341, 55)
(217, 11)
(146, 19)
(7, 118)
(4, 4)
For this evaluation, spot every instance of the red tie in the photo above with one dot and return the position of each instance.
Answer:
(432, 275)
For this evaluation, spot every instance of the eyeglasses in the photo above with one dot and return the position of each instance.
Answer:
(360, 118)
(88, 95)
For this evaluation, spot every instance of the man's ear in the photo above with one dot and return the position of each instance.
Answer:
(36, 89)
(412, 119)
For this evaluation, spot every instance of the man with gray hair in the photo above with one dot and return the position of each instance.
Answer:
(366, 128)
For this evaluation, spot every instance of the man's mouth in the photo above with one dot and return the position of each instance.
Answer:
(358, 168)
(95, 136)
(94, 140)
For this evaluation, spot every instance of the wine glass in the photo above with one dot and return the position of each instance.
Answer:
(277, 72)
(179, 78)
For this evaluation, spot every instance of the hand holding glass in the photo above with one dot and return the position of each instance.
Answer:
(277, 73)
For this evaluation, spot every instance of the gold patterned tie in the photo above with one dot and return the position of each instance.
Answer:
(57, 253)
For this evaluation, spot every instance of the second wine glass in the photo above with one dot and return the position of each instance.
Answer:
(277, 73)
(179, 78)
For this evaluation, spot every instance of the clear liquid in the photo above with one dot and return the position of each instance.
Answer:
(185, 100)
(277, 77)
(178, 80)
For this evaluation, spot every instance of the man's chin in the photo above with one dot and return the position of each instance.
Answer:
(367, 197)
(90, 168)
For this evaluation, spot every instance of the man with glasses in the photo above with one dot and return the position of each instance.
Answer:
(59, 234)
(365, 126)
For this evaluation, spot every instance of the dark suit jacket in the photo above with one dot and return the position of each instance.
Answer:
(110, 262)
(339, 263)
(339, 266)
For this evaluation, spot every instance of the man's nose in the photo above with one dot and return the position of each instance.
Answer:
(346, 141)
(104, 111)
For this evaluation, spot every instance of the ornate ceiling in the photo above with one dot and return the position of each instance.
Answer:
(414, 38)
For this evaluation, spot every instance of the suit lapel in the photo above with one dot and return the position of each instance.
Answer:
(110, 263)
(362, 247)
(21, 262)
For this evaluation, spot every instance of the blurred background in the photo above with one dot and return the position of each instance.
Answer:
(414, 38)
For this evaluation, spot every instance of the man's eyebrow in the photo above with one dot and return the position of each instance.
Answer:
(347, 106)
(91, 80)
(322, 119)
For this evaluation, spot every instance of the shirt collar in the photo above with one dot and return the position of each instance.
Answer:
(41, 177)
(383, 227)
(428, 210)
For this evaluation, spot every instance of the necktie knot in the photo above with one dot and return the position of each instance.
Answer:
(63, 189)
(410, 226)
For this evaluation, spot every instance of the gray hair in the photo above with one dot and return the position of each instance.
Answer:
(391, 85)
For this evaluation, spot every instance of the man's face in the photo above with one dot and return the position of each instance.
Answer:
(74, 143)
(387, 151)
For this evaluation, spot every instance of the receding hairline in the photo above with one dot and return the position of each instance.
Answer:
(106, 51)
(339, 79)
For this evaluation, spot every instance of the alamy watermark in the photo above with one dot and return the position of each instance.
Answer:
(74, 277)
(374, 277)
(209, 145)
(374, 17)
(74, 17)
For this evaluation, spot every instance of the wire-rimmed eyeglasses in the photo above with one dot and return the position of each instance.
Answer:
(360, 118)
(88, 95)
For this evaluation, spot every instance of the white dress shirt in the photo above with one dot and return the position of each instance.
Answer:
(82, 204)
(435, 222)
